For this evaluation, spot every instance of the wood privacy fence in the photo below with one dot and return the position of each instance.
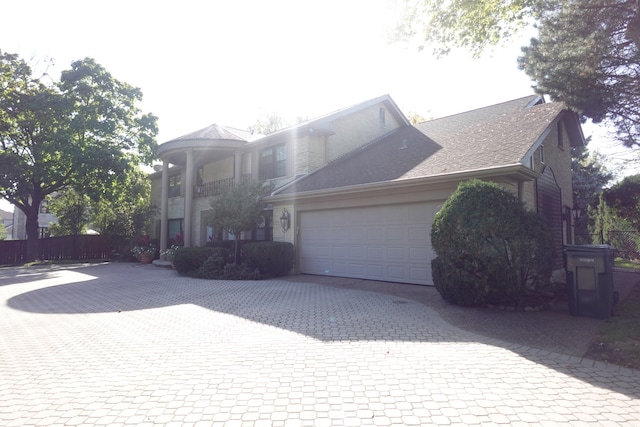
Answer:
(81, 247)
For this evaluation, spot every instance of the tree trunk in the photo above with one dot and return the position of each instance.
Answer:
(32, 231)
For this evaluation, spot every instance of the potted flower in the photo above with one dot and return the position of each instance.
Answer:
(144, 251)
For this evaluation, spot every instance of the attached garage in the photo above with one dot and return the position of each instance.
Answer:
(387, 243)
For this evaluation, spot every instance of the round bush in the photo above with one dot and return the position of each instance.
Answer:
(490, 247)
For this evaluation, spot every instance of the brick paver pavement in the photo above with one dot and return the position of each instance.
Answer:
(126, 344)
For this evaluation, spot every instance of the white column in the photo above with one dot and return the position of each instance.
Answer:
(237, 167)
(188, 199)
(164, 206)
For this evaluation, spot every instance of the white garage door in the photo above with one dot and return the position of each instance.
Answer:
(389, 243)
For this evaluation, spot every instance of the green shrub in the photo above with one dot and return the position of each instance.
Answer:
(272, 259)
(490, 248)
(217, 268)
(213, 267)
(188, 261)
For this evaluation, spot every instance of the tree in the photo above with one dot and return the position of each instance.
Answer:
(588, 177)
(585, 56)
(269, 123)
(80, 132)
(471, 24)
(586, 53)
(3, 231)
(72, 210)
(239, 209)
(624, 199)
(124, 207)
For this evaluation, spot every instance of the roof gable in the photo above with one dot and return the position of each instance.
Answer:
(500, 135)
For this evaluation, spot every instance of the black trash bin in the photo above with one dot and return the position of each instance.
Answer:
(589, 279)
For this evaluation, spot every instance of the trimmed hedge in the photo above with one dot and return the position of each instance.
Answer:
(188, 261)
(272, 259)
(490, 247)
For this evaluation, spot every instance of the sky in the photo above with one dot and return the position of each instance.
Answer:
(230, 62)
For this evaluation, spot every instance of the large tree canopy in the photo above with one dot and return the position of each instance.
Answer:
(470, 24)
(585, 55)
(80, 131)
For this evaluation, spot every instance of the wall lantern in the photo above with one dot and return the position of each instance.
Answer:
(576, 212)
(285, 220)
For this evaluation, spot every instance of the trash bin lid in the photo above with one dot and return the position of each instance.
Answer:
(588, 248)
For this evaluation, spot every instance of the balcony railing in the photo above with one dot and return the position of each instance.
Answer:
(216, 188)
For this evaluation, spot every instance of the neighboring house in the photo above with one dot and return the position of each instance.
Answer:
(7, 220)
(45, 219)
(361, 186)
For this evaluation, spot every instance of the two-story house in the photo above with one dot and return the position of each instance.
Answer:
(357, 189)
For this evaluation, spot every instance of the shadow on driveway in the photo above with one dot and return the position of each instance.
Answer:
(325, 313)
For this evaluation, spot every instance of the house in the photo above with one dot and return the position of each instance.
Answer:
(7, 222)
(45, 219)
(357, 189)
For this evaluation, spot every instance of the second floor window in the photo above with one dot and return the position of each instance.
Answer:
(174, 186)
(273, 162)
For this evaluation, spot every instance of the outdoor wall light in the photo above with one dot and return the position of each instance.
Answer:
(576, 212)
(285, 220)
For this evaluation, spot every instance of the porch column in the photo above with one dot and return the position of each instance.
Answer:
(188, 199)
(164, 206)
(237, 167)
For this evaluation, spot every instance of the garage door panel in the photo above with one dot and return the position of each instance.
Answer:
(340, 252)
(389, 243)
(357, 252)
(396, 253)
(356, 234)
(376, 235)
(419, 233)
(357, 269)
(419, 274)
(376, 253)
(417, 254)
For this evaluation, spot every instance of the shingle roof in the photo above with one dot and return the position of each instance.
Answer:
(499, 135)
(216, 132)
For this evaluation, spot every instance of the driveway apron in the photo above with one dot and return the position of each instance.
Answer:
(126, 344)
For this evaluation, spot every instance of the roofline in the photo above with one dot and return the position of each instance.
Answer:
(576, 136)
(336, 115)
(534, 101)
(517, 171)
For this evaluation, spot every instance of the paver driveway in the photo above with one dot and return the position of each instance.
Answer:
(126, 344)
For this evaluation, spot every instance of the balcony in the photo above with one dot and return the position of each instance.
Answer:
(215, 188)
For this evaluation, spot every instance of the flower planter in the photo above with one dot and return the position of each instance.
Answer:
(145, 259)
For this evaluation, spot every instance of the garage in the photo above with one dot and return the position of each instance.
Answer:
(387, 243)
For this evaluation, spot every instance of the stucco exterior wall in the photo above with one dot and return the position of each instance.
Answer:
(357, 129)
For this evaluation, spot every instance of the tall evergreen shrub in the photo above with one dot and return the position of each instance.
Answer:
(490, 247)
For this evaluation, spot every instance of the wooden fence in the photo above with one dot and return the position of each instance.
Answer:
(81, 247)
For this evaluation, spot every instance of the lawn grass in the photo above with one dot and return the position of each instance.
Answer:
(625, 263)
(618, 341)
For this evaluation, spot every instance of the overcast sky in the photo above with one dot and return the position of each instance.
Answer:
(228, 62)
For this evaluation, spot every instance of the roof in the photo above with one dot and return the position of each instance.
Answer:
(216, 131)
(322, 124)
(485, 138)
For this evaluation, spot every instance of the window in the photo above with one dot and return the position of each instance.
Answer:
(382, 117)
(560, 135)
(174, 186)
(43, 232)
(542, 154)
(273, 162)
(44, 207)
(175, 226)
